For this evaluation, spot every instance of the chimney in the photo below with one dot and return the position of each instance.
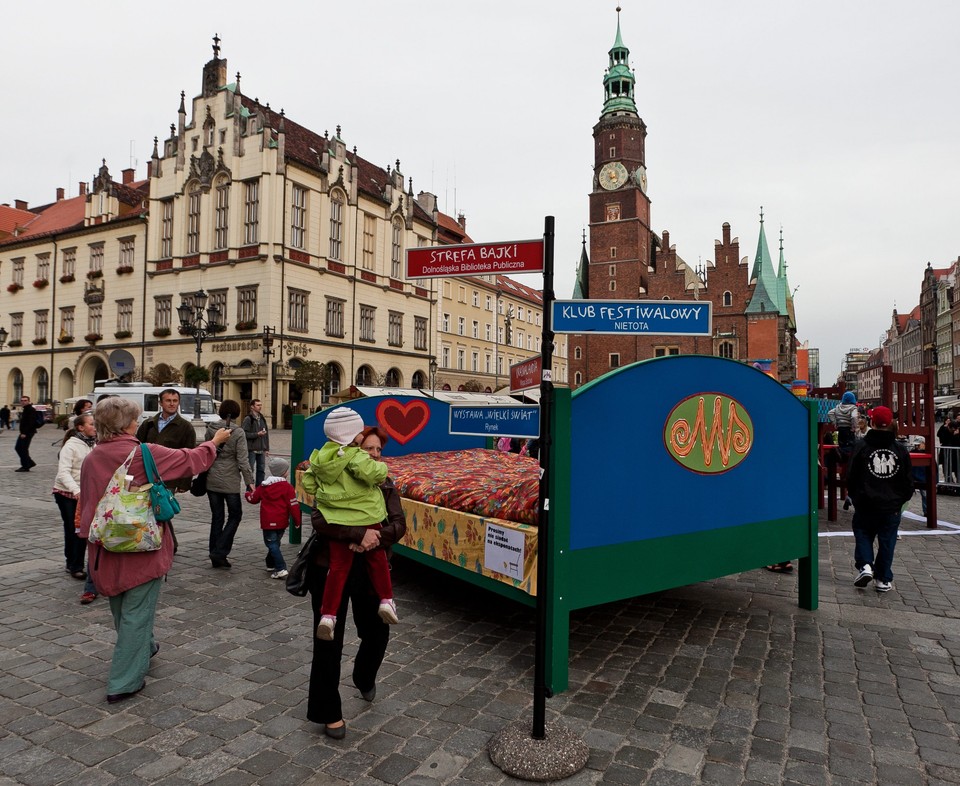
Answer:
(59, 194)
(462, 221)
(20, 204)
(666, 241)
(128, 175)
(83, 188)
(149, 169)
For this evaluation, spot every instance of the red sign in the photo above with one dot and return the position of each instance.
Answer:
(526, 375)
(477, 259)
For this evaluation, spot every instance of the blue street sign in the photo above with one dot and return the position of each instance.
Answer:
(493, 421)
(647, 317)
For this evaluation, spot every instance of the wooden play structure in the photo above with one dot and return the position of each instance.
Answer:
(663, 473)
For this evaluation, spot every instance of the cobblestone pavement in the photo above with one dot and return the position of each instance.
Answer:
(725, 682)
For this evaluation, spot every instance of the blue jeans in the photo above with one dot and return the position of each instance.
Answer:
(257, 462)
(272, 538)
(871, 525)
(221, 534)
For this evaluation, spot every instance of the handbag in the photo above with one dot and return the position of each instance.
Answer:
(199, 485)
(165, 505)
(124, 520)
(298, 571)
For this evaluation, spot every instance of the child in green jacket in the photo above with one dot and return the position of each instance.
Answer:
(345, 483)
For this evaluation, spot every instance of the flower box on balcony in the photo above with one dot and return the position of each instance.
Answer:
(65, 339)
(67, 279)
(123, 334)
(125, 269)
(39, 342)
(92, 337)
(14, 287)
(95, 274)
(161, 332)
(40, 283)
(15, 343)
(249, 324)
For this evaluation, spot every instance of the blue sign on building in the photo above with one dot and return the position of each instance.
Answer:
(494, 421)
(647, 317)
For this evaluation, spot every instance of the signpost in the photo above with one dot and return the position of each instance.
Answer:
(476, 259)
(526, 374)
(648, 317)
(494, 421)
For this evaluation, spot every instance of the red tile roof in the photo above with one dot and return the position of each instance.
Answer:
(58, 217)
(512, 287)
(11, 218)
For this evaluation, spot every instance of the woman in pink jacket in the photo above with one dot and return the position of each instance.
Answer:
(131, 581)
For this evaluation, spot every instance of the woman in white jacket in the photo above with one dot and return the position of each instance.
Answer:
(77, 443)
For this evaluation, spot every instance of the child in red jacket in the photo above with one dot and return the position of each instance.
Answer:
(278, 505)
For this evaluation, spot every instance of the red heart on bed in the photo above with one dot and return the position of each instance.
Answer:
(402, 421)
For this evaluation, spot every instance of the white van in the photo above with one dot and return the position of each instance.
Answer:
(148, 397)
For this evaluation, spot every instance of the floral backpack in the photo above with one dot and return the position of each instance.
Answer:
(124, 520)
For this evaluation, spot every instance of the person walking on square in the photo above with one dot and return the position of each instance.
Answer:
(344, 481)
(880, 481)
(258, 439)
(28, 427)
(170, 429)
(4, 417)
(324, 703)
(278, 505)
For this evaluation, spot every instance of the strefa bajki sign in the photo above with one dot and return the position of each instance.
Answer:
(476, 259)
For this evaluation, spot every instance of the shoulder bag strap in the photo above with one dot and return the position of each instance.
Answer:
(150, 466)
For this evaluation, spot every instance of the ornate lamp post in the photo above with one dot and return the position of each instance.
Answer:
(268, 340)
(433, 374)
(3, 337)
(193, 323)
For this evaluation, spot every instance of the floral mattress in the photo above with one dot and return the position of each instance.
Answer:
(483, 482)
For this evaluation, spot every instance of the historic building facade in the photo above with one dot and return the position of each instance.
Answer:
(753, 317)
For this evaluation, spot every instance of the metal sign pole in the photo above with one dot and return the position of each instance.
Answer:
(543, 529)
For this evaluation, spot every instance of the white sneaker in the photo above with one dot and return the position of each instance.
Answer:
(325, 628)
(883, 586)
(864, 577)
(280, 574)
(388, 612)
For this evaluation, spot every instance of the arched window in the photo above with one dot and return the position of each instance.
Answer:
(17, 385)
(43, 385)
(392, 379)
(728, 298)
(336, 224)
(577, 378)
(364, 376)
(419, 380)
(396, 249)
(216, 381)
(577, 354)
(333, 382)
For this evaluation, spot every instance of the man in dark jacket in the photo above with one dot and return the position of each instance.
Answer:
(879, 481)
(258, 440)
(28, 427)
(170, 429)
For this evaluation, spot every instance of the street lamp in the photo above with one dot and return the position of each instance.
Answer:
(192, 322)
(268, 340)
(3, 337)
(433, 374)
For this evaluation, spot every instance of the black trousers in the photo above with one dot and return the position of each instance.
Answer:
(23, 450)
(323, 703)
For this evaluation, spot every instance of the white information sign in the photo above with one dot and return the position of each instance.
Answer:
(503, 551)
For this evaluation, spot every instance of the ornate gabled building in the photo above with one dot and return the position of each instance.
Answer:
(753, 317)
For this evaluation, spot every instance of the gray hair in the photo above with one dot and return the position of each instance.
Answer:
(113, 415)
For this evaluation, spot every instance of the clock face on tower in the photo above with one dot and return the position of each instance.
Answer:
(640, 178)
(613, 176)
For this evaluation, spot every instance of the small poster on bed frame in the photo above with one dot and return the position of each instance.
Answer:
(503, 551)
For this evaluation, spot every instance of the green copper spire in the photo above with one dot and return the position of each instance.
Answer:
(618, 83)
(784, 295)
(764, 297)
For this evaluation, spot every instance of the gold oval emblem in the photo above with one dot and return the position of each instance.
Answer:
(708, 433)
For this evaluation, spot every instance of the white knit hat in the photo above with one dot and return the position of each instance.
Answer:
(342, 426)
(278, 467)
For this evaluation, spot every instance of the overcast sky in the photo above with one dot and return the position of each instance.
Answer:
(840, 117)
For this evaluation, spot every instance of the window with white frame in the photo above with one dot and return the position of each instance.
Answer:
(445, 357)
(487, 331)
(218, 300)
(489, 303)
(193, 220)
(576, 352)
(96, 257)
(298, 307)
(395, 329)
(461, 326)
(335, 317)
(251, 212)
(520, 312)
(396, 249)
(128, 252)
(475, 361)
(486, 363)
(336, 224)
(476, 329)
(40, 326)
(725, 350)
(95, 319)
(221, 235)
(419, 332)
(367, 322)
(445, 323)
(461, 357)
(162, 312)
(16, 327)
(369, 241)
(125, 315)
(69, 262)
(66, 321)
(476, 299)
(166, 229)
(43, 267)
(247, 304)
(298, 218)
(614, 360)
